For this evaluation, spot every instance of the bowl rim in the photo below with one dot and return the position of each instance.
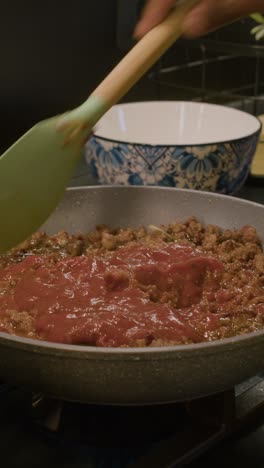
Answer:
(97, 136)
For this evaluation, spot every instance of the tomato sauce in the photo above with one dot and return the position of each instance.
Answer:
(108, 300)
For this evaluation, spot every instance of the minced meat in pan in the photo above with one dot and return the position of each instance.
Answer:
(179, 284)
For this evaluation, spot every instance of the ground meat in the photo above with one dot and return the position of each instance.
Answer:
(222, 304)
(116, 279)
(58, 246)
(22, 323)
(259, 263)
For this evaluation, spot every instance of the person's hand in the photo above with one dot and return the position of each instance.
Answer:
(206, 16)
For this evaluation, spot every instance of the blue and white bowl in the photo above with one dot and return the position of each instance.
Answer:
(177, 144)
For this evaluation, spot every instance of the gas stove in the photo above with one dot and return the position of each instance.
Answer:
(37, 431)
(224, 429)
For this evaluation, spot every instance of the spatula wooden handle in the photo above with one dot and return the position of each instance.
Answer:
(134, 65)
(142, 57)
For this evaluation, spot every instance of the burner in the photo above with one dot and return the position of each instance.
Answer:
(108, 425)
(137, 437)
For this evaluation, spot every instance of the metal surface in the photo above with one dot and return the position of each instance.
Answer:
(208, 70)
(137, 376)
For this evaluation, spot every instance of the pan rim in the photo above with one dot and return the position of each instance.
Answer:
(149, 188)
(162, 352)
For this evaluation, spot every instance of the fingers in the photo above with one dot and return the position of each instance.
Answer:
(153, 13)
(205, 17)
(209, 15)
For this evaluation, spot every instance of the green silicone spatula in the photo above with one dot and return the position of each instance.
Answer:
(36, 169)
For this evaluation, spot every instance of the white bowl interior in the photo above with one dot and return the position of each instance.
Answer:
(175, 123)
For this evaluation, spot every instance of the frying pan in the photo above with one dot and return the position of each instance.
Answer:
(140, 375)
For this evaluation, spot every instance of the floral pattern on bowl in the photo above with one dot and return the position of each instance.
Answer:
(221, 167)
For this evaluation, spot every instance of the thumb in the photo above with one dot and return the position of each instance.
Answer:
(153, 13)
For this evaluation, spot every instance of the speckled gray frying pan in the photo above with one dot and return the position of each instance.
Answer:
(136, 376)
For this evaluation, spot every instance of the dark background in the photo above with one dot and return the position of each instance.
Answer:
(54, 53)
